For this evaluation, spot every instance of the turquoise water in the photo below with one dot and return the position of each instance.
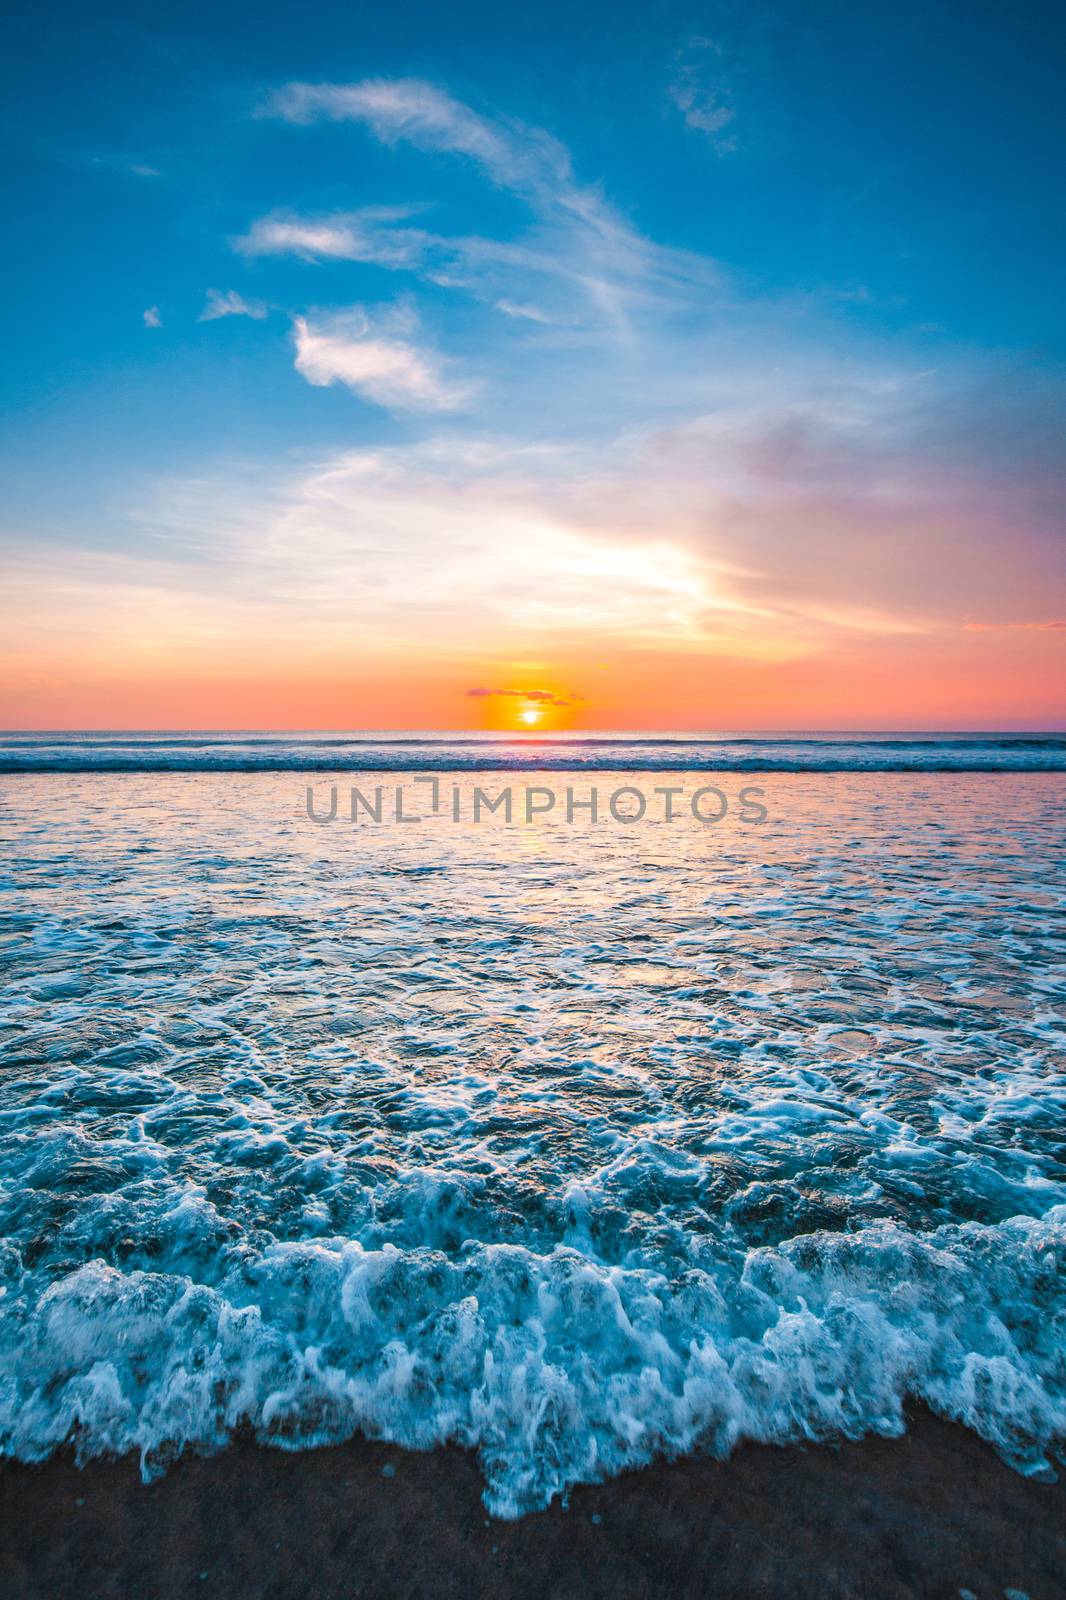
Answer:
(579, 1144)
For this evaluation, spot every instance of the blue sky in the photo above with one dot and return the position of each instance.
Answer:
(762, 304)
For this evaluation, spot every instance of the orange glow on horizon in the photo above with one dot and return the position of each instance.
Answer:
(948, 680)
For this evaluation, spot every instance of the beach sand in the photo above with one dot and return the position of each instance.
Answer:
(932, 1514)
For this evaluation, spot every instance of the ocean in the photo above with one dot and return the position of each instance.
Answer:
(577, 1141)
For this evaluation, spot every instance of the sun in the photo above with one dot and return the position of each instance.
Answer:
(529, 715)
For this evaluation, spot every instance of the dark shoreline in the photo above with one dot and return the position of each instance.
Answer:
(930, 1514)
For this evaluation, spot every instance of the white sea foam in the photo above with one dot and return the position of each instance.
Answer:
(556, 1368)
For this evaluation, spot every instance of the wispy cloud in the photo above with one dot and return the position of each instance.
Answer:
(544, 697)
(455, 543)
(526, 313)
(122, 163)
(1053, 625)
(409, 109)
(700, 92)
(231, 304)
(372, 360)
(602, 268)
(581, 288)
(151, 317)
(371, 234)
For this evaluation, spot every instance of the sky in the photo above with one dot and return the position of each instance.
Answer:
(607, 366)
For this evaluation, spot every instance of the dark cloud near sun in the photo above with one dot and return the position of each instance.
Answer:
(543, 697)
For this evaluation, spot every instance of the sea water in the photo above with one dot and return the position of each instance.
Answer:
(577, 1143)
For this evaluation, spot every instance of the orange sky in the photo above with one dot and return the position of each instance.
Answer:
(951, 679)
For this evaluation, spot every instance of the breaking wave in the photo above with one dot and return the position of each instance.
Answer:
(558, 753)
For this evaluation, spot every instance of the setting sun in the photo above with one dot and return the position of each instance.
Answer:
(529, 715)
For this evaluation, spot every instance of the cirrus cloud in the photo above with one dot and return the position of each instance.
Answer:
(598, 261)
(231, 304)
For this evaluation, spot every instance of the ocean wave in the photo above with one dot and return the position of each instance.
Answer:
(472, 753)
(555, 1368)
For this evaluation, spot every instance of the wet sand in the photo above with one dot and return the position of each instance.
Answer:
(932, 1514)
